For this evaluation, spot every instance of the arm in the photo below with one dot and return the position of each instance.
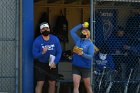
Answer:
(90, 53)
(58, 51)
(73, 32)
(135, 49)
(37, 53)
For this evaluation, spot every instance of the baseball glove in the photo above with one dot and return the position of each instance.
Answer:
(77, 50)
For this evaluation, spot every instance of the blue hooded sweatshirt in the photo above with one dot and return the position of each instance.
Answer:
(107, 62)
(135, 50)
(54, 48)
(84, 60)
(117, 43)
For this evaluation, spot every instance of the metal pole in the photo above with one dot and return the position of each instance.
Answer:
(27, 40)
(17, 47)
(20, 43)
(91, 18)
(91, 30)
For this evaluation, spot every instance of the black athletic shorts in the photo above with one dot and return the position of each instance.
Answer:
(43, 72)
(83, 72)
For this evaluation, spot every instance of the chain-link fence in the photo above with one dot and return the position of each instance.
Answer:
(117, 34)
(8, 45)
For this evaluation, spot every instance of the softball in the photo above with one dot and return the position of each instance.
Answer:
(86, 24)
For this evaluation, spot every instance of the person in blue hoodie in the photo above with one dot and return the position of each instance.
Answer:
(133, 57)
(104, 60)
(43, 46)
(117, 40)
(82, 58)
(116, 44)
(104, 66)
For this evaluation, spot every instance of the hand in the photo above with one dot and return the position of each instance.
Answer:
(53, 65)
(44, 50)
(80, 53)
(126, 47)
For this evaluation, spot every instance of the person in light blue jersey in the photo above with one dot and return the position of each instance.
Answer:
(45, 46)
(82, 57)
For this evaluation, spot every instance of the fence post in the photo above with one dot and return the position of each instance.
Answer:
(27, 40)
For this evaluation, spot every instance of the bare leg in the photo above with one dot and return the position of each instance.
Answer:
(38, 88)
(76, 83)
(52, 86)
(87, 85)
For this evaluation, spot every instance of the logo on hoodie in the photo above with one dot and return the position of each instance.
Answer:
(50, 47)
